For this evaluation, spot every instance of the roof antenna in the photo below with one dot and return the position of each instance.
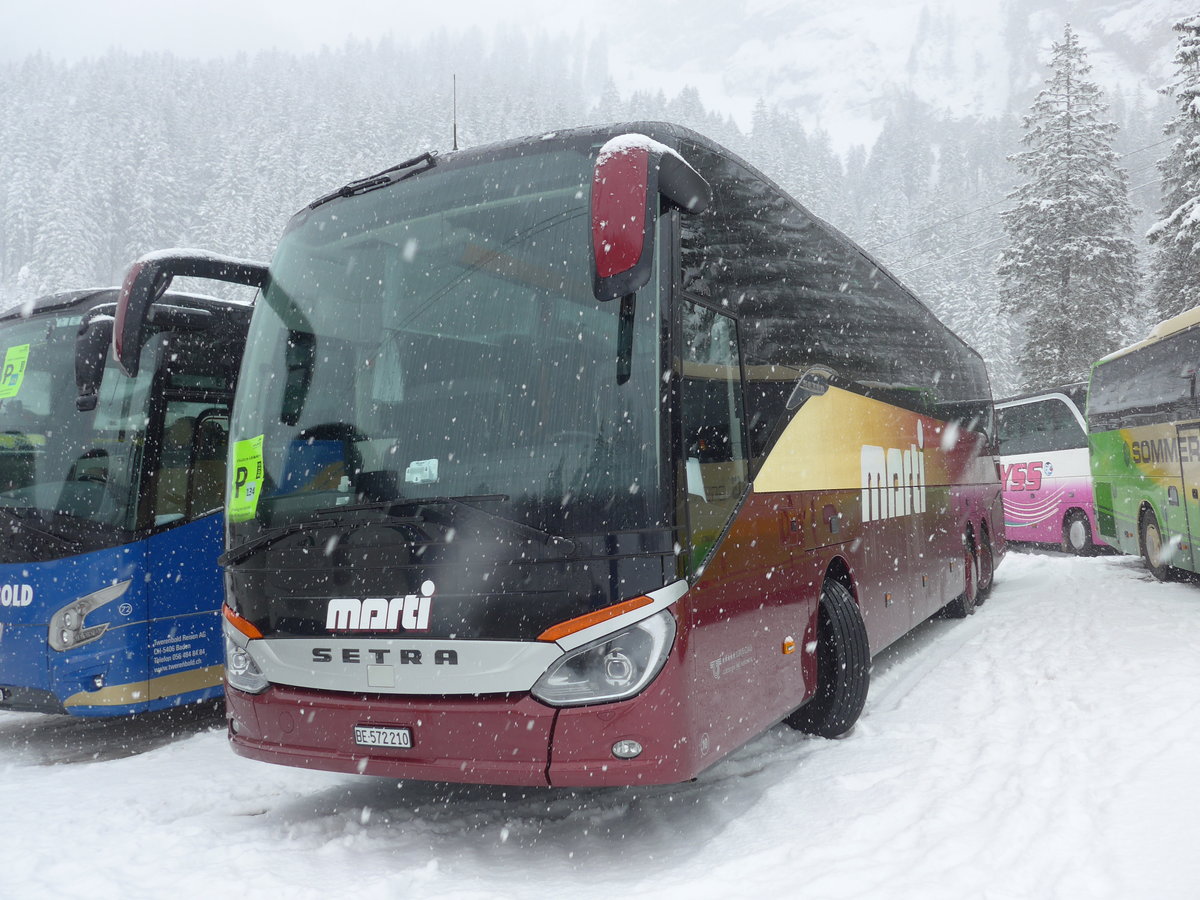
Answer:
(454, 95)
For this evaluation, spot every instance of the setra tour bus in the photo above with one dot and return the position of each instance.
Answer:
(111, 490)
(1144, 432)
(583, 459)
(1044, 469)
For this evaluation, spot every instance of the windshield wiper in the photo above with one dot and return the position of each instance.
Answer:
(241, 551)
(465, 502)
(333, 517)
(24, 524)
(236, 554)
(398, 172)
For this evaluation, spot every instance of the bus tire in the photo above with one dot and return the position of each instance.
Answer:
(843, 666)
(987, 568)
(1077, 534)
(1152, 546)
(964, 604)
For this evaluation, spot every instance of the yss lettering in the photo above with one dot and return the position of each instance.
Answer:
(1021, 476)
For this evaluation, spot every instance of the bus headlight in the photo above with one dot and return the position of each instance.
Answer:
(67, 629)
(241, 671)
(614, 667)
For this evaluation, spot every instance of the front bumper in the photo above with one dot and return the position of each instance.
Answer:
(509, 739)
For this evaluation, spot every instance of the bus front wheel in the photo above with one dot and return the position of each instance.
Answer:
(1077, 534)
(1153, 550)
(843, 666)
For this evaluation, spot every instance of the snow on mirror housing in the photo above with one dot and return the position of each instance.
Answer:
(632, 171)
(614, 667)
(148, 279)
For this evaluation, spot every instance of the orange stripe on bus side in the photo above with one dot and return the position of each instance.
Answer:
(245, 626)
(562, 629)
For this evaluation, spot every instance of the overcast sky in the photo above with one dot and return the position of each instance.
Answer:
(74, 29)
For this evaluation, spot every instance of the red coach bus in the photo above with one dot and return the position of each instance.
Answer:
(582, 460)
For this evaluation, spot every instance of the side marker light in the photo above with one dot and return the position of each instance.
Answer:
(245, 626)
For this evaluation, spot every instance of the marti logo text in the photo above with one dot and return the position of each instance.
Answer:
(893, 480)
(410, 612)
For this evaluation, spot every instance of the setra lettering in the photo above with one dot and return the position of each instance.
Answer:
(381, 655)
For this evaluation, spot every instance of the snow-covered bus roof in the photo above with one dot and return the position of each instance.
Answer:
(1185, 320)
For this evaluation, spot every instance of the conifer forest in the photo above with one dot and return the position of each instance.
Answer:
(1077, 217)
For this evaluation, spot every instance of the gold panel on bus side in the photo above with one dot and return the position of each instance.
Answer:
(835, 440)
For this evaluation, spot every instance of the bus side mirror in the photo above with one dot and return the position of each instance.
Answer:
(631, 174)
(91, 352)
(299, 358)
(148, 279)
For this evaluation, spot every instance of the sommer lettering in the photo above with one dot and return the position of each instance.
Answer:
(1180, 449)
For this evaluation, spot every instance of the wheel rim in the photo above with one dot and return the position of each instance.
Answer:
(1153, 545)
(1077, 533)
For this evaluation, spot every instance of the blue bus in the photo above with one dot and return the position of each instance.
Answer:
(111, 504)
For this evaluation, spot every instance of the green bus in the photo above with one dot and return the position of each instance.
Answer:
(1143, 418)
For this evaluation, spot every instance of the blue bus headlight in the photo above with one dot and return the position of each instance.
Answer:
(67, 629)
(241, 671)
(615, 667)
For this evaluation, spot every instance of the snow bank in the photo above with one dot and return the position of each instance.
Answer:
(1045, 747)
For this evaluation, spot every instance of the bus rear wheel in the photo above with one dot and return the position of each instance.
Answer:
(843, 666)
(964, 604)
(1077, 534)
(1153, 551)
(987, 568)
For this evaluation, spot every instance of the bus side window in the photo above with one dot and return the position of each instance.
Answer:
(190, 480)
(715, 446)
(211, 442)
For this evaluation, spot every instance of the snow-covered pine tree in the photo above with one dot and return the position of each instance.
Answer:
(1176, 236)
(1070, 270)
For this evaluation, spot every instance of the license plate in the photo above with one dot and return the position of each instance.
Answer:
(370, 736)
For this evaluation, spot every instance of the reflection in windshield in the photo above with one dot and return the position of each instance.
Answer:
(439, 338)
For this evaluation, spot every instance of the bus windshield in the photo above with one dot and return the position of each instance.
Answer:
(439, 338)
(1038, 426)
(69, 469)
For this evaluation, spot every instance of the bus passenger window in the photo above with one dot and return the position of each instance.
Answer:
(190, 479)
(715, 447)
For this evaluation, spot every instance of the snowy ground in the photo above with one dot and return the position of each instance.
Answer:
(1045, 748)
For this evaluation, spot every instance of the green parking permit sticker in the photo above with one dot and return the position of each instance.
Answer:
(247, 479)
(14, 370)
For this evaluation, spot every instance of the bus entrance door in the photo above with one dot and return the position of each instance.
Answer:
(1189, 464)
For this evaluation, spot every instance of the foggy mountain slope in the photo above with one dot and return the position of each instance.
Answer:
(839, 65)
